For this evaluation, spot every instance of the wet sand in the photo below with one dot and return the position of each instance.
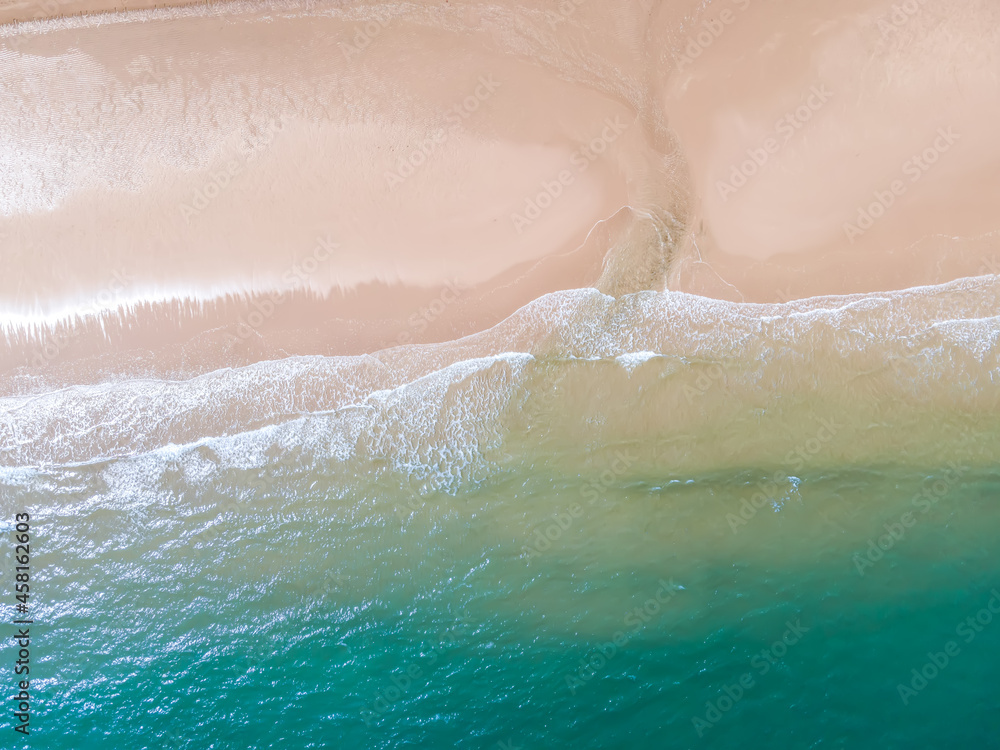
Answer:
(191, 189)
(20, 11)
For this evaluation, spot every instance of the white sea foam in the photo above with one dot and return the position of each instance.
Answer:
(440, 404)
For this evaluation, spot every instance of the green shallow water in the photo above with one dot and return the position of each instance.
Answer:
(353, 614)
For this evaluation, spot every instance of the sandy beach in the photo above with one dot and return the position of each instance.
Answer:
(219, 184)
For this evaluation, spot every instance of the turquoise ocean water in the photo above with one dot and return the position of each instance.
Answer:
(618, 536)
(329, 621)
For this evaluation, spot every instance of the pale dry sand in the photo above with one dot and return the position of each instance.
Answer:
(834, 149)
(185, 190)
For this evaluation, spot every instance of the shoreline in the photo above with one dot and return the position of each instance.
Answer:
(202, 162)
